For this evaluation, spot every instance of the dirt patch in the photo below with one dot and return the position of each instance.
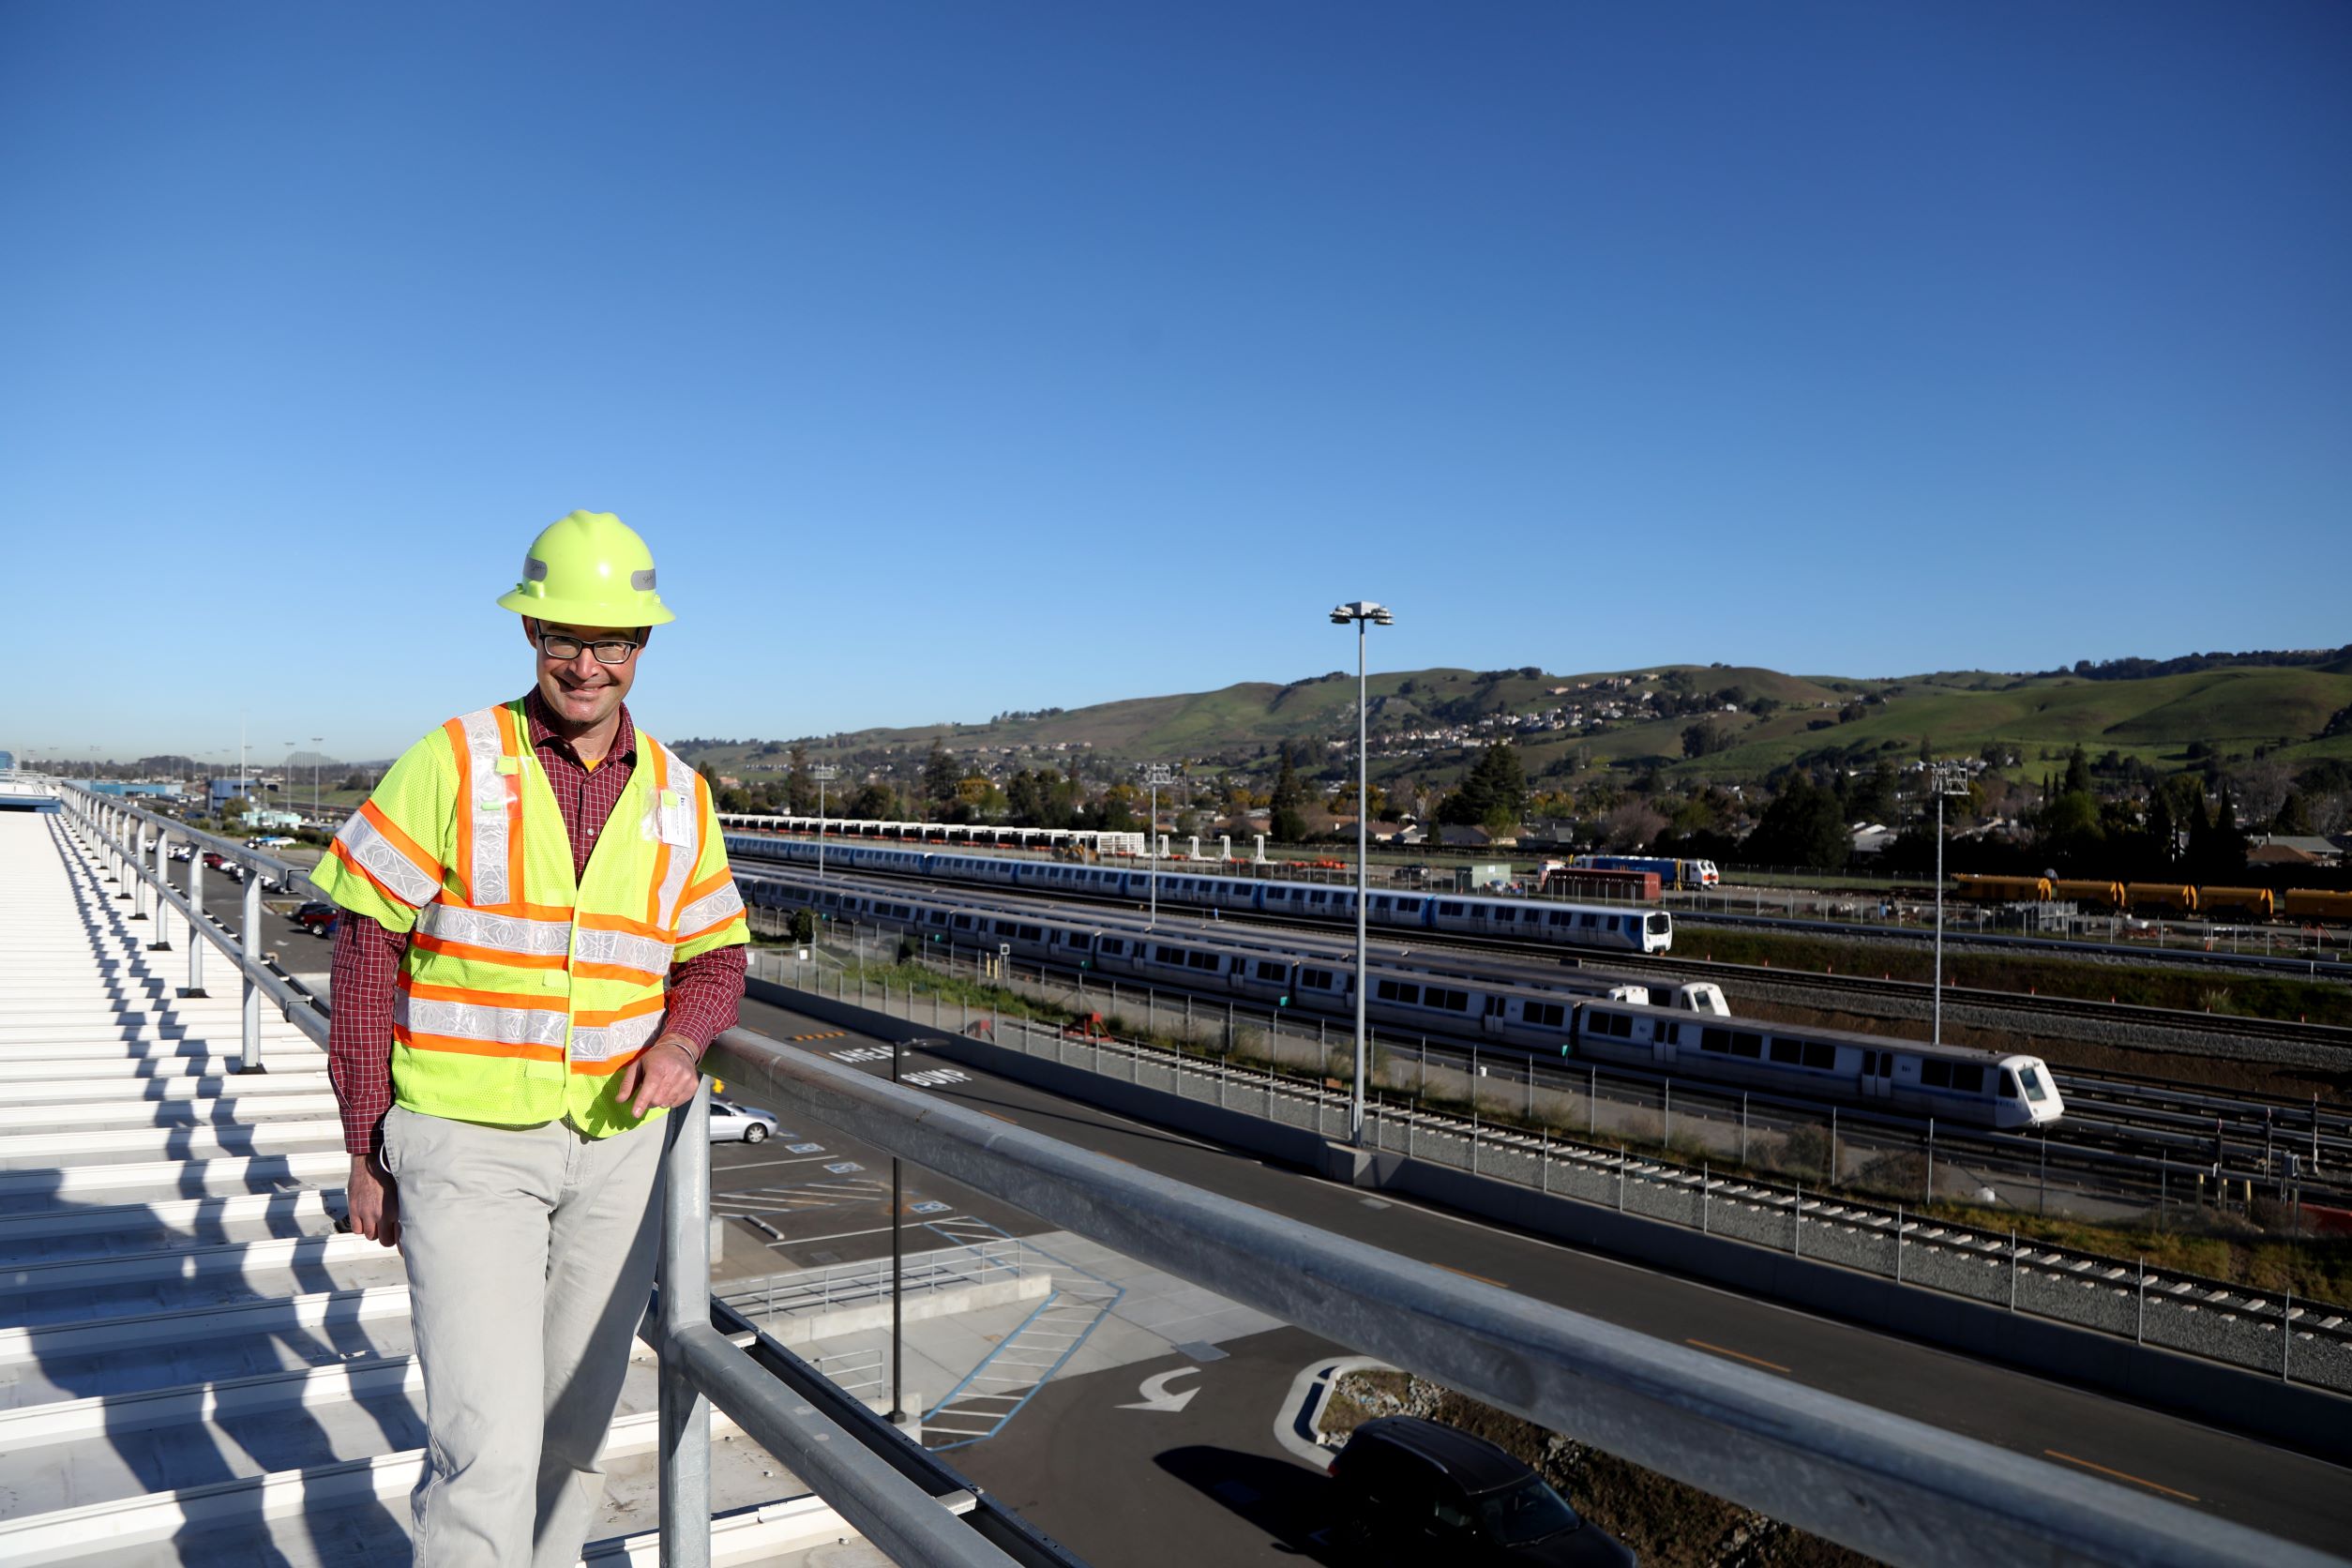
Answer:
(1668, 1524)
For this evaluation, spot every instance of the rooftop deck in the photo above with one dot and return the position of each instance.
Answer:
(195, 1366)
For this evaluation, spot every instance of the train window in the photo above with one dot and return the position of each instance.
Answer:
(1660, 925)
(1203, 960)
(1269, 970)
(1452, 1001)
(1789, 1052)
(1561, 917)
(1749, 1046)
(1886, 1063)
(1396, 990)
(1450, 909)
(2008, 1084)
(1584, 918)
(1933, 1074)
(1609, 924)
(1716, 1040)
(1968, 1079)
(1870, 1064)
(1174, 956)
(1113, 947)
(2031, 1078)
(1032, 933)
(1671, 1035)
(1546, 1015)
(1819, 1055)
(1316, 979)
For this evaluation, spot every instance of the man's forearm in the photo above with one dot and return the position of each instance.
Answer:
(359, 1029)
(705, 997)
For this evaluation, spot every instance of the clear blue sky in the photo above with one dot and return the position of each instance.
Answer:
(958, 357)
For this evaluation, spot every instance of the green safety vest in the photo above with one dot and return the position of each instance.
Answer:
(524, 991)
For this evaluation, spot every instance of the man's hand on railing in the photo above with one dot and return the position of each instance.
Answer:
(663, 1074)
(373, 1199)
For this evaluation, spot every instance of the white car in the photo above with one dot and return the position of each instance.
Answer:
(734, 1124)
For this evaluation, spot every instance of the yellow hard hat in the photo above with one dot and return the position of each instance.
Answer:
(588, 569)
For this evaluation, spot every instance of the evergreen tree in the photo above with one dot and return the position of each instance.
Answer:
(2294, 816)
(940, 776)
(1289, 821)
(1802, 826)
(800, 791)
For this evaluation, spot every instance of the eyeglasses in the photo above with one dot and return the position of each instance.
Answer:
(564, 649)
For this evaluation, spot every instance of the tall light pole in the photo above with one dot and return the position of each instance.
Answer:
(1362, 612)
(1945, 780)
(822, 773)
(1155, 775)
(315, 741)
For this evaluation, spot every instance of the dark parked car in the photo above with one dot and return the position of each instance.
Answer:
(1417, 1492)
(317, 917)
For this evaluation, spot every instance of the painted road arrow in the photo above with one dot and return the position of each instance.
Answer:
(1156, 1394)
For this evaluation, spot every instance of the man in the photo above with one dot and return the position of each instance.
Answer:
(541, 937)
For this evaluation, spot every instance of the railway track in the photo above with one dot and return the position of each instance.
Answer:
(2146, 1120)
(2022, 1005)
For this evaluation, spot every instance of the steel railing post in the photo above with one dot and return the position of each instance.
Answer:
(196, 943)
(139, 872)
(162, 942)
(685, 1303)
(249, 955)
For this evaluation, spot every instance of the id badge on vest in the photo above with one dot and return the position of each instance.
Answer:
(672, 819)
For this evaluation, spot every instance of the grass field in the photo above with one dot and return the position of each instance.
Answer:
(2233, 709)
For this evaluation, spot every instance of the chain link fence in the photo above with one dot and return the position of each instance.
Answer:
(1810, 1184)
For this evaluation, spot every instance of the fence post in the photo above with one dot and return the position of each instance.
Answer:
(2139, 1319)
(2013, 1271)
(1544, 1170)
(1704, 1195)
(250, 951)
(1620, 1178)
(2286, 1332)
(1832, 1145)
(1593, 1104)
(1797, 1230)
(1931, 1159)
(1667, 1091)
(196, 943)
(686, 1303)
(1898, 1250)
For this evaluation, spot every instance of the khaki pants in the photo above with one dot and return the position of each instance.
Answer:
(530, 1255)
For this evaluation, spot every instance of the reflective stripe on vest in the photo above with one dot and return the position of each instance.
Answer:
(490, 805)
(710, 911)
(677, 831)
(386, 856)
(440, 1018)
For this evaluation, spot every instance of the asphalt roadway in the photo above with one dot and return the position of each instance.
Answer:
(1052, 1460)
(1207, 1487)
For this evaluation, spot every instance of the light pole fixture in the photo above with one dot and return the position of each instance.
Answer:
(1364, 613)
(1946, 781)
(1155, 774)
(824, 773)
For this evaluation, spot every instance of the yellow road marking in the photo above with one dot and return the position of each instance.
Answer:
(1479, 1278)
(2120, 1475)
(1736, 1355)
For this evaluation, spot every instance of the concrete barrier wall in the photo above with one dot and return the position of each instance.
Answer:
(2301, 1417)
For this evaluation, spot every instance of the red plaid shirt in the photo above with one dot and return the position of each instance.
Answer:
(703, 990)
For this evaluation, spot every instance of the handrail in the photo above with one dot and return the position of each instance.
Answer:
(100, 814)
(853, 1469)
(1882, 1484)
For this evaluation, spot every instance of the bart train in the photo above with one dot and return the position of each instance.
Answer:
(2142, 898)
(1696, 1038)
(1534, 920)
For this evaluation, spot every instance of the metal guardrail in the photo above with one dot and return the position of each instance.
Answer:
(2254, 1330)
(140, 864)
(1881, 1483)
